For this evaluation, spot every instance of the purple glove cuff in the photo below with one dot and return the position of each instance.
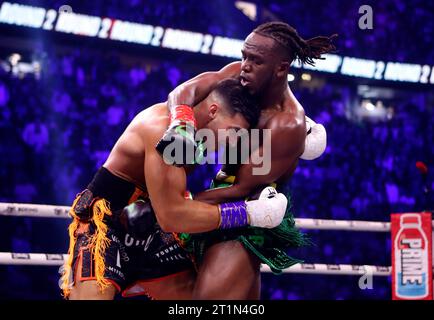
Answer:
(233, 215)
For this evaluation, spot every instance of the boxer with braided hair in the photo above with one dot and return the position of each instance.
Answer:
(228, 262)
(295, 47)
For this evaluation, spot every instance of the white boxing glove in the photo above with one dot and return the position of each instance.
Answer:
(316, 140)
(268, 211)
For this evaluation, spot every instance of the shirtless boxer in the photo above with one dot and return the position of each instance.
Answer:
(229, 261)
(103, 258)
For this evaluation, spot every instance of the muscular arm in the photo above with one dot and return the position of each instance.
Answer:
(166, 186)
(195, 90)
(287, 144)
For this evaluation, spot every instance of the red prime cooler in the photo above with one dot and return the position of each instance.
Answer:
(412, 256)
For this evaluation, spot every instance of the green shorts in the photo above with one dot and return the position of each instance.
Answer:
(268, 245)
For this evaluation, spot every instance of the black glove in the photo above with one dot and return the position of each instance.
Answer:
(138, 219)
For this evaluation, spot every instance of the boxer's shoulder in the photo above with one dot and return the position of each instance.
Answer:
(288, 132)
(232, 70)
(158, 113)
(286, 122)
(153, 122)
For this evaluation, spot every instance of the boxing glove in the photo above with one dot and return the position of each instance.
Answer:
(138, 219)
(180, 136)
(266, 212)
(316, 140)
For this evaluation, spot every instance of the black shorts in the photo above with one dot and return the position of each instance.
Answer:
(129, 261)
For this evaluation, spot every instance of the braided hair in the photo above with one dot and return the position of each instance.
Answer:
(295, 46)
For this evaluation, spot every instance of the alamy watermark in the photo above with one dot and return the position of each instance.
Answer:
(366, 21)
(254, 147)
(65, 9)
(366, 280)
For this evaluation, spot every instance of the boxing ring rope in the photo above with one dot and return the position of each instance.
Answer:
(46, 259)
(51, 211)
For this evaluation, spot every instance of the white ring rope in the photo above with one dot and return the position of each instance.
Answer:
(33, 210)
(50, 211)
(335, 269)
(32, 259)
(46, 259)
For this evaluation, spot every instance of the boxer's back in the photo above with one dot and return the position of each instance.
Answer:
(127, 158)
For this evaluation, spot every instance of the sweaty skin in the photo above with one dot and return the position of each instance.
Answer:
(229, 271)
(135, 159)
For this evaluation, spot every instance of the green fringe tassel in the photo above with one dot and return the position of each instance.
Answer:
(269, 244)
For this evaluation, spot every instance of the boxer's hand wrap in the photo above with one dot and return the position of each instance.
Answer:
(184, 114)
(181, 132)
(266, 212)
(138, 219)
(233, 215)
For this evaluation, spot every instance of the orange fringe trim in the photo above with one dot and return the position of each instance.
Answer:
(67, 267)
(98, 243)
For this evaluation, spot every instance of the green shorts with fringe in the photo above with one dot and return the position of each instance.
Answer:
(268, 245)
